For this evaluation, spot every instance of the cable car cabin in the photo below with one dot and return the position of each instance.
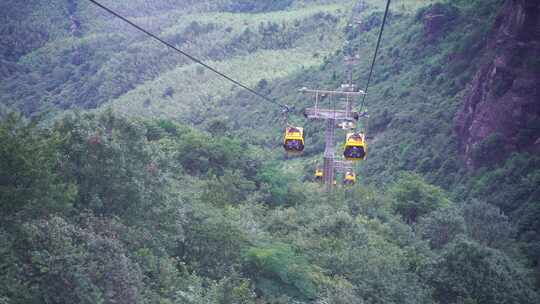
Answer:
(318, 174)
(355, 147)
(349, 179)
(294, 140)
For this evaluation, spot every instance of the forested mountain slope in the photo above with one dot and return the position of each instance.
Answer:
(94, 58)
(169, 185)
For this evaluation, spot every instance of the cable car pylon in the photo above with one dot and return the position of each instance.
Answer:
(344, 116)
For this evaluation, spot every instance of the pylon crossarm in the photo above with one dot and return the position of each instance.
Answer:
(318, 113)
(329, 92)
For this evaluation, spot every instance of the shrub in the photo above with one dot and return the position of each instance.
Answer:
(413, 197)
(277, 263)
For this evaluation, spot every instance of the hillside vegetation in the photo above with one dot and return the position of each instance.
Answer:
(132, 175)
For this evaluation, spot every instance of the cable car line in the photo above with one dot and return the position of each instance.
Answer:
(293, 143)
(375, 54)
(284, 107)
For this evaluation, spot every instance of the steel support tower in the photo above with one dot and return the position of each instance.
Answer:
(345, 116)
(332, 118)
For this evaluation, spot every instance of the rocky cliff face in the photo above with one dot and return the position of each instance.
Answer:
(501, 110)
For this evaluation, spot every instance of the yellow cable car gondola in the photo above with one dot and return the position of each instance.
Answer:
(350, 178)
(294, 140)
(318, 174)
(355, 146)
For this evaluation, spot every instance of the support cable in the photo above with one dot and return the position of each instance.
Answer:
(245, 87)
(375, 55)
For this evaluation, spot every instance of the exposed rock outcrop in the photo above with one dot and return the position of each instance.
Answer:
(501, 109)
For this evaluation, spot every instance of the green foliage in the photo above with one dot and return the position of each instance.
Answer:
(487, 225)
(155, 211)
(200, 153)
(413, 197)
(65, 263)
(279, 188)
(513, 188)
(29, 180)
(230, 188)
(489, 150)
(467, 270)
(342, 292)
(439, 8)
(511, 182)
(448, 14)
(479, 8)
(100, 61)
(106, 158)
(213, 242)
(279, 261)
(205, 237)
(442, 226)
(256, 6)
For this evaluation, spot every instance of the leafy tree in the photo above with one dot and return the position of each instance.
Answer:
(256, 6)
(106, 157)
(413, 197)
(340, 292)
(487, 225)
(381, 272)
(218, 127)
(231, 188)
(64, 263)
(276, 185)
(276, 266)
(28, 176)
(468, 270)
(442, 226)
(118, 210)
(529, 226)
(513, 188)
(490, 150)
(200, 153)
(213, 242)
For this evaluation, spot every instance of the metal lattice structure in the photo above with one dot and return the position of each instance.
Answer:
(348, 93)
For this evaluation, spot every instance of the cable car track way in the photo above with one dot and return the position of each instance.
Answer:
(355, 143)
(198, 61)
(375, 54)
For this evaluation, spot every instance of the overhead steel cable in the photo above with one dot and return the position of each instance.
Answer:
(375, 54)
(284, 107)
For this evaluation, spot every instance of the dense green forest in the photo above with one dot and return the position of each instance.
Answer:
(129, 174)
